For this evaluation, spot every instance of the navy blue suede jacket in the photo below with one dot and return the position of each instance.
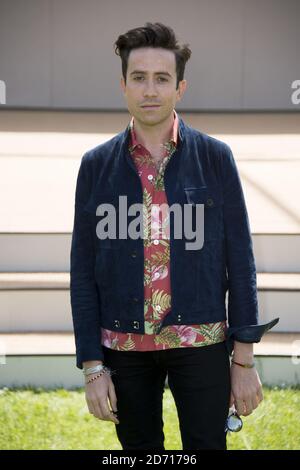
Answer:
(107, 275)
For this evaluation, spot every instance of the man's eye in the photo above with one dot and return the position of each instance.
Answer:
(160, 78)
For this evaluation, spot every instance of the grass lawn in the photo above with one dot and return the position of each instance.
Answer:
(41, 419)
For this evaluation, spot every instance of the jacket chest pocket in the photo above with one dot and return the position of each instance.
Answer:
(212, 200)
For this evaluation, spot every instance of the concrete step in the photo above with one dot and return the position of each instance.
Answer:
(33, 251)
(50, 251)
(41, 301)
(63, 343)
(48, 360)
(61, 280)
(277, 252)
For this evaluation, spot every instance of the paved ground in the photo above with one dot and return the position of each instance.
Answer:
(40, 154)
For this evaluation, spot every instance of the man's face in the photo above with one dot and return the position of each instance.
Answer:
(151, 79)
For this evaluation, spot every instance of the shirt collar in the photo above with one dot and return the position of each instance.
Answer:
(174, 138)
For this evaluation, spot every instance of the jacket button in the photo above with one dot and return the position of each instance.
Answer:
(133, 254)
(135, 299)
(136, 325)
(210, 202)
(117, 323)
(179, 317)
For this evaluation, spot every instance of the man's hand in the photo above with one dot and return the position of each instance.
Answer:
(97, 394)
(246, 389)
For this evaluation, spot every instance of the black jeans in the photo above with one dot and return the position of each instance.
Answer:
(199, 379)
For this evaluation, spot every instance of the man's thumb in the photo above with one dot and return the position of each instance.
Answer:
(112, 396)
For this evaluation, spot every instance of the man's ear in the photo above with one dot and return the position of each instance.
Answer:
(181, 89)
(122, 83)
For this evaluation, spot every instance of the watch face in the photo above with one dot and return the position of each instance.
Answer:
(234, 423)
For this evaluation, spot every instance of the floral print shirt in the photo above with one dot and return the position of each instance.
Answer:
(157, 288)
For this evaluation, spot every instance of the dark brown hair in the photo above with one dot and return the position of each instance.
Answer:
(152, 35)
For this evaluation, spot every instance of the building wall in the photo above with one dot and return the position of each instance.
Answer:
(59, 53)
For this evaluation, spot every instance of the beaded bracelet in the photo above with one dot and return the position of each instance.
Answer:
(94, 378)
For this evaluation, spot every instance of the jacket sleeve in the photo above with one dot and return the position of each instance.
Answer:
(243, 323)
(85, 304)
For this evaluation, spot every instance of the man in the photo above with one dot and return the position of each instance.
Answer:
(149, 307)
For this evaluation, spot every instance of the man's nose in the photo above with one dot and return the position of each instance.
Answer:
(150, 89)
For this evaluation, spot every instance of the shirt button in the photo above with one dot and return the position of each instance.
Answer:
(150, 177)
(158, 308)
(156, 327)
(156, 242)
